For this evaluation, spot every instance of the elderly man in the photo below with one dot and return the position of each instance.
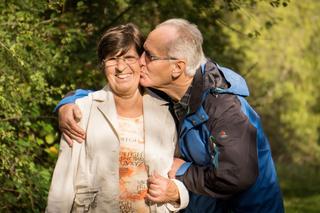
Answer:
(225, 158)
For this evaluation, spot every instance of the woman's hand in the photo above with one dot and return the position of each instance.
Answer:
(162, 190)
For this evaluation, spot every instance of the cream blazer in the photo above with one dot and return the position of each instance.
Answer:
(86, 176)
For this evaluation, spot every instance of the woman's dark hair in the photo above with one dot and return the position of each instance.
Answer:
(120, 39)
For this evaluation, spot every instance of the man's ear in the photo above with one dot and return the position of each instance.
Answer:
(179, 68)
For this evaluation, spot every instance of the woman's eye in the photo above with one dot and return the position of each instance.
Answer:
(129, 57)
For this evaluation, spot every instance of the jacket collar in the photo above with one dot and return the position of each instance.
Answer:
(196, 91)
(204, 80)
(211, 75)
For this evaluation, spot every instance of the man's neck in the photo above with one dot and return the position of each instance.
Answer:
(177, 89)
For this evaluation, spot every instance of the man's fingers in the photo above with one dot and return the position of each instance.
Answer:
(76, 130)
(77, 113)
(67, 132)
(68, 114)
(72, 136)
(79, 140)
(65, 114)
(68, 139)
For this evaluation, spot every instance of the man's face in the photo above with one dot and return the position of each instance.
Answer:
(156, 68)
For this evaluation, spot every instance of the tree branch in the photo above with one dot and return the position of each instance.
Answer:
(134, 3)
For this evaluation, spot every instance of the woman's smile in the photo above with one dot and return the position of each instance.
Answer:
(124, 76)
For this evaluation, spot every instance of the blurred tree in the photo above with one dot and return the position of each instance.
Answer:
(281, 65)
(36, 40)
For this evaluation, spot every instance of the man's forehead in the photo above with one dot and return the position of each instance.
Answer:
(159, 38)
(151, 45)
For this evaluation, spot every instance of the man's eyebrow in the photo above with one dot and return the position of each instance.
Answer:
(147, 51)
(146, 48)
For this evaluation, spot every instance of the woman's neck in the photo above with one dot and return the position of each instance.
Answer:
(129, 106)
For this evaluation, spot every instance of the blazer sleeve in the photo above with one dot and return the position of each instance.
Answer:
(184, 197)
(62, 191)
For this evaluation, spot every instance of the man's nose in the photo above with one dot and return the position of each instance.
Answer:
(142, 60)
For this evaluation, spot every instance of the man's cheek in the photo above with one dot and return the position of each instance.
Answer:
(143, 81)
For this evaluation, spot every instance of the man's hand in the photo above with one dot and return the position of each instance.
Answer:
(177, 162)
(69, 115)
(162, 190)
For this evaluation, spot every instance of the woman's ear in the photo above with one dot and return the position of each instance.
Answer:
(179, 68)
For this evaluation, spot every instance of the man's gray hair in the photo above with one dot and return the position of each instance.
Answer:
(187, 45)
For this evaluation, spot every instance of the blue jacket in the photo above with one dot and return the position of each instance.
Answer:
(229, 164)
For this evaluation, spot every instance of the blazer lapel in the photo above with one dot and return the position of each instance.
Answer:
(106, 106)
(153, 125)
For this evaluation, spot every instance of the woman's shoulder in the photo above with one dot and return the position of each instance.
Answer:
(99, 95)
(154, 97)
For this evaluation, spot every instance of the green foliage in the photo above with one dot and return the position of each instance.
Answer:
(301, 192)
(281, 67)
(36, 44)
(48, 48)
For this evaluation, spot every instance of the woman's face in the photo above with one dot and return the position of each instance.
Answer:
(123, 73)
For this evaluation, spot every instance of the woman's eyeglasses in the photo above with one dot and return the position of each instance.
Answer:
(115, 60)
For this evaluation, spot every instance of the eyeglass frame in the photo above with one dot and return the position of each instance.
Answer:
(117, 60)
(157, 58)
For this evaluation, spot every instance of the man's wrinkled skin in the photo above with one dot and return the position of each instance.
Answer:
(177, 162)
(69, 115)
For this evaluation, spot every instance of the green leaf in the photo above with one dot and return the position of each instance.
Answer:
(49, 138)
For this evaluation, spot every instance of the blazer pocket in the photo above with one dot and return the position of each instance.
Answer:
(85, 200)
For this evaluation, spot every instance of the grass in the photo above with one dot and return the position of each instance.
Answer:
(301, 188)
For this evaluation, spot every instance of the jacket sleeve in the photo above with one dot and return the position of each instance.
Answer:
(235, 141)
(72, 97)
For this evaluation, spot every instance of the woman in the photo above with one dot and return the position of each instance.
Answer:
(125, 142)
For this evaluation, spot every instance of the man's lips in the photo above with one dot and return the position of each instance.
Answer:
(142, 74)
